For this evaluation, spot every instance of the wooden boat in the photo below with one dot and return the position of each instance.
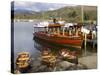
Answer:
(55, 33)
(23, 60)
(68, 55)
(70, 40)
(48, 58)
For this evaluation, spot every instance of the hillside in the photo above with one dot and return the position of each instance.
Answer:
(70, 14)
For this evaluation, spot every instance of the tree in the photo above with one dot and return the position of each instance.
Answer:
(86, 16)
(72, 14)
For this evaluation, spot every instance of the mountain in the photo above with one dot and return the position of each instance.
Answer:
(68, 13)
(24, 11)
(73, 14)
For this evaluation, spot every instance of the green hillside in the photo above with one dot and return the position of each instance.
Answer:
(69, 14)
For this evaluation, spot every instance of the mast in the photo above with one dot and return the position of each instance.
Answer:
(43, 15)
(82, 13)
(84, 34)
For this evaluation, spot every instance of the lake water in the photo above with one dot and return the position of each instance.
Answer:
(23, 38)
(24, 42)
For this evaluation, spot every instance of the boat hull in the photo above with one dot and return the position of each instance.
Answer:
(69, 41)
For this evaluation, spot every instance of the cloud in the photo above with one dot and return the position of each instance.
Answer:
(37, 6)
(23, 3)
(20, 3)
(51, 9)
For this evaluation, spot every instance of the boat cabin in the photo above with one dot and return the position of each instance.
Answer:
(58, 28)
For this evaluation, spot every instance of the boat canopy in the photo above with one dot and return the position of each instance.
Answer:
(68, 24)
(42, 24)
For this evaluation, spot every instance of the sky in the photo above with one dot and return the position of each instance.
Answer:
(37, 6)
